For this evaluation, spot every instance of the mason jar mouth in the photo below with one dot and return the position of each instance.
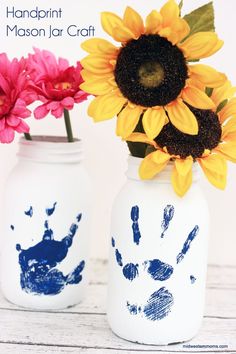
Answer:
(162, 177)
(50, 149)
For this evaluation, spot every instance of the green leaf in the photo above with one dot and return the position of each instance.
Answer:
(221, 105)
(209, 91)
(201, 19)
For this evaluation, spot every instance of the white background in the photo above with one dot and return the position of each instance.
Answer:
(105, 154)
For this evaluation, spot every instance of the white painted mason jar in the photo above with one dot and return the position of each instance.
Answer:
(158, 260)
(44, 251)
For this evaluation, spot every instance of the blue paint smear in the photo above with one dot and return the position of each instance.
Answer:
(159, 270)
(135, 225)
(12, 227)
(130, 271)
(113, 243)
(187, 244)
(158, 305)
(38, 272)
(79, 217)
(167, 217)
(193, 279)
(50, 211)
(119, 258)
(133, 309)
(29, 212)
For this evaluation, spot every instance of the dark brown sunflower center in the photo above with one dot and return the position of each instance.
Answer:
(151, 71)
(178, 143)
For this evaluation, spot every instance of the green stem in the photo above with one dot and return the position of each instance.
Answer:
(68, 126)
(27, 136)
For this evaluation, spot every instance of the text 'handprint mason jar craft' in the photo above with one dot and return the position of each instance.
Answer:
(176, 116)
(44, 251)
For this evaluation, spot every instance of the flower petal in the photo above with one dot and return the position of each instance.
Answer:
(181, 182)
(133, 21)
(228, 111)
(153, 164)
(122, 34)
(222, 93)
(201, 45)
(41, 111)
(127, 120)
(153, 22)
(153, 122)
(98, 45)
(197, 98)
(97, 87)
(97, 64)
(106, 107)
(111, 21)
(22, 127)
(183, 166)
(215, 169)
(182, 118)
(207, 75)
(229, 130)
(170, 12)
(7, 135)
(227, 150)
(141, 138)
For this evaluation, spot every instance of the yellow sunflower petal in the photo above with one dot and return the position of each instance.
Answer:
(228, 111)
(228, 150)
(153, 164)
(122, 34)
(197, 98)
(110, 21)
(182, 118)
(141, 138)
(221, 93)
(153, 122)
(97, 87)
(201, 45)
(179, 30)
(215, 169)
(207, 75)
(106, 107)
(127, 120)
(153, 22)
(183, 166)
(97, 64)
(229, 130)
(133, 21)
(98, 45)
(170, 12)
(181, 182)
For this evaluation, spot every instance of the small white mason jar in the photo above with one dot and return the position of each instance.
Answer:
(158, 260)
(44, 245)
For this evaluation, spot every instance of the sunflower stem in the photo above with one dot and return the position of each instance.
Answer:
(69, 132)
(27, 136)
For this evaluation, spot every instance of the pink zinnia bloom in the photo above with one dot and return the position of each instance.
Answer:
(14, 97)
(56, 83)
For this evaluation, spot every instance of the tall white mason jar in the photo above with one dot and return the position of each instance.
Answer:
(158, 260)
(44, 245)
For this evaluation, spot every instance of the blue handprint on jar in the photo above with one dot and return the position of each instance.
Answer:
(39, 274)
(160, 302)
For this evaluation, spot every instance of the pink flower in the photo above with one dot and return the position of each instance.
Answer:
(56, 83)
(14, 97)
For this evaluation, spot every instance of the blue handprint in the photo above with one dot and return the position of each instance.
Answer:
(161, 301)
(38, 272)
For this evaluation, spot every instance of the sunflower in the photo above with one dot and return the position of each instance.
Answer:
(214, 144)
(149, 74)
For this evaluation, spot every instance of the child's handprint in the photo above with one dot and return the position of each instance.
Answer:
(38, 272)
